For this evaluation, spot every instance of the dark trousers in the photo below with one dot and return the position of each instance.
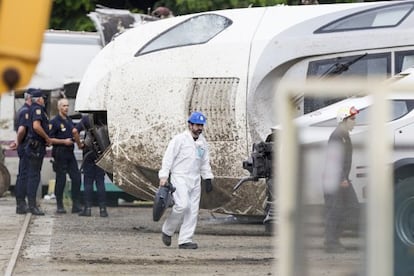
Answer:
(35, 161)
(65, 163)
(340, 209)
(21, 180)
(92, 173)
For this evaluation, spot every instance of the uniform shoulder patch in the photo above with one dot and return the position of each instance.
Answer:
(50, 126)
(38, 112)
(26, 116)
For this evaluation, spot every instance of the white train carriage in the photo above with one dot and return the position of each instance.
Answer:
(228, 64)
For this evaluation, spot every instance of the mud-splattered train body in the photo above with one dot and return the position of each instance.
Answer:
(227, 64)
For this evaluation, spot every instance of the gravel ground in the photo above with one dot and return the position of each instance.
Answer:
(128, 242)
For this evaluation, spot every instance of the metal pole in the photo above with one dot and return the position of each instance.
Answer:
(380, 201)
(290, 262)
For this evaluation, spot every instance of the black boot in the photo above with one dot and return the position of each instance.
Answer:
(60, 209)
(76, 207)
(86, 212)
(21, 206)
(102, 211)
(33, 208)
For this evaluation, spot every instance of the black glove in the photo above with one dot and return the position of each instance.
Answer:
(209, 185)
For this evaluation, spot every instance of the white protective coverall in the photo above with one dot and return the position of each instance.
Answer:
(186, 160)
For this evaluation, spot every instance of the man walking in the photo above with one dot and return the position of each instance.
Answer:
(186, 158)
(340, 197)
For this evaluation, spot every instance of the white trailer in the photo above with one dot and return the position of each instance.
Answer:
(64, 58)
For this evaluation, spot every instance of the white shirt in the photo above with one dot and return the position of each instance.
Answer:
(184, 156)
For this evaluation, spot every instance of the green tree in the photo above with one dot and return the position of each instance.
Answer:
(72, 15)
(180, 7)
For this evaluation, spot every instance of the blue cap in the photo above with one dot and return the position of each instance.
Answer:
(197, 118)
(36, 93)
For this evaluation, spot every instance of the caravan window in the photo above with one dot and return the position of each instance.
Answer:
(373, 65)
(389, 16)
(196, 30)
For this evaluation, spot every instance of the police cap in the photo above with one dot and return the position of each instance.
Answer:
(35, 93)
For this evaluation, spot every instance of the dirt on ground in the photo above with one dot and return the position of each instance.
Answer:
(128, 242)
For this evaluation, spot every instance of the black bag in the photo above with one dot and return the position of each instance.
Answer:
(163, 199)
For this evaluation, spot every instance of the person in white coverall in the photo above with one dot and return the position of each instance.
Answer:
(186, 158)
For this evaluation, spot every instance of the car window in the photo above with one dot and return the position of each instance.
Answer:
(376, 65)
(399, 109)
(403, 60)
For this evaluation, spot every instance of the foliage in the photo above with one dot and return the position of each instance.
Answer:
(72, 15)
(180, 7)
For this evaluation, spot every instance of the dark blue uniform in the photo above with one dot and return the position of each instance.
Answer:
(35, 150)
(92, 173)
(65, 162)
(23, 119)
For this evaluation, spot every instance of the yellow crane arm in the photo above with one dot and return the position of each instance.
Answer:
(22, 26)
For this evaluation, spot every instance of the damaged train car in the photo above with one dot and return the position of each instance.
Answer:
(228, 64)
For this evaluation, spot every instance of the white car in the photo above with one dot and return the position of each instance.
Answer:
(314, 130)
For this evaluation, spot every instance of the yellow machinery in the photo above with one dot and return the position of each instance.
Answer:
(22, 25)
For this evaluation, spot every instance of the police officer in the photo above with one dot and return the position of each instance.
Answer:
(186, 158)
(91, 172)
(61, 127)
(339, 194)
(38, 139)
(22, 126)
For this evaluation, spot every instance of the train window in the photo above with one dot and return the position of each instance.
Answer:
(196, 30)
(399, 109)
(358, 65)
(389, 16)
(376, 65)
(403, 60)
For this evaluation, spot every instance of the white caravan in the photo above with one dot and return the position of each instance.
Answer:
(64, 59)
(228, 64)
